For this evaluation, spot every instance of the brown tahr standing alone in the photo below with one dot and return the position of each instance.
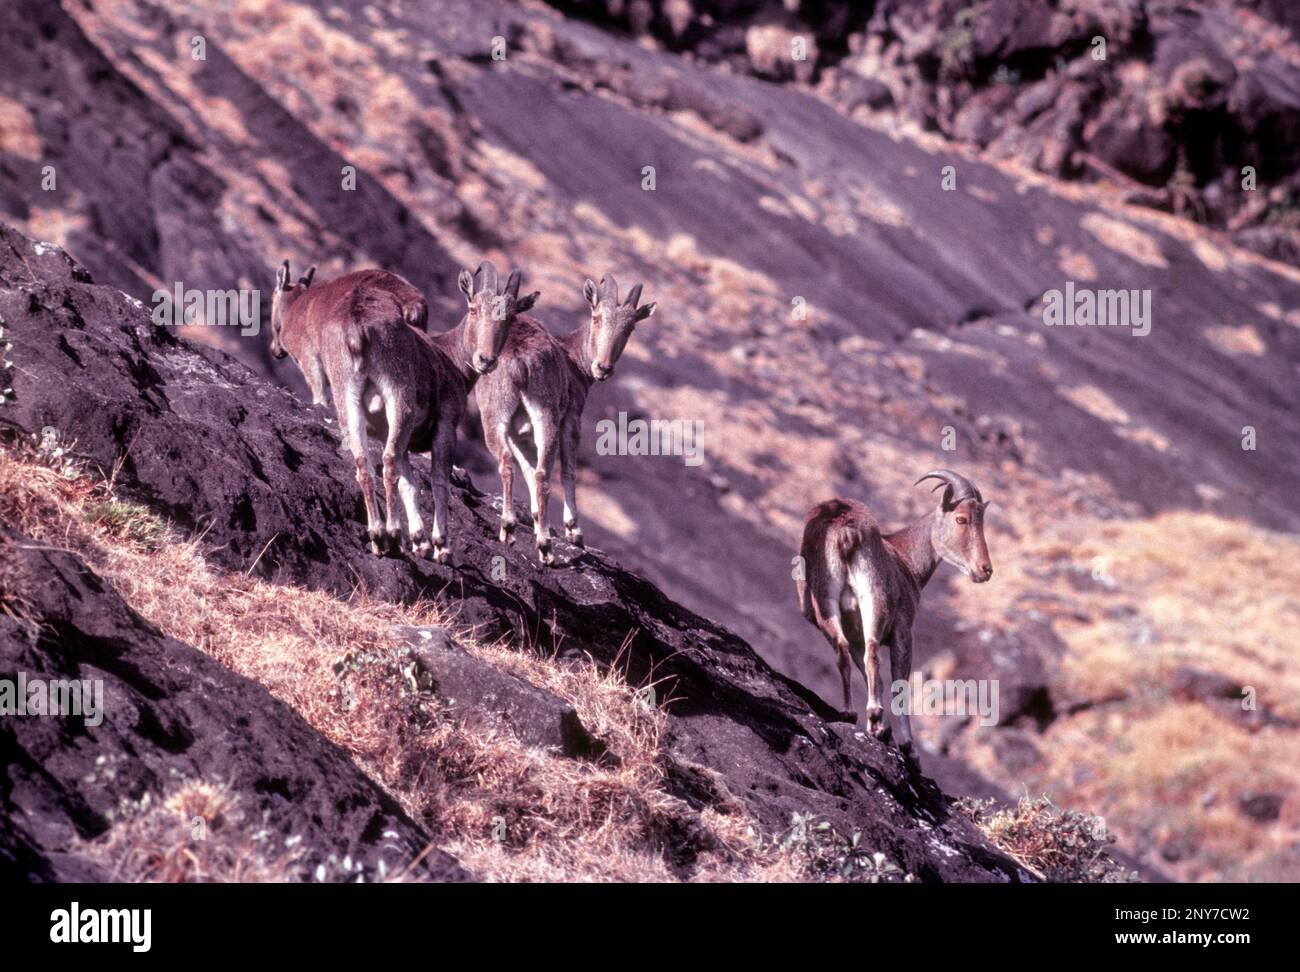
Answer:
(541, 388)
(361, 333)
(862, 588)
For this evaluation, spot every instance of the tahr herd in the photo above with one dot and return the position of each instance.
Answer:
(365, 335)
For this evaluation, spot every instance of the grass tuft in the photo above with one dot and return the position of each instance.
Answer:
(1058, 845)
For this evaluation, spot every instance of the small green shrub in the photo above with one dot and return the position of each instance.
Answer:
(129, 521)
(827, 855)
(1065, 846)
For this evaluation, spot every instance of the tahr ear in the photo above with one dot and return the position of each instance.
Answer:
(282, 276)
(466, 284)
(647, 311)
(589, 293)
(307, 277)
(527, 302)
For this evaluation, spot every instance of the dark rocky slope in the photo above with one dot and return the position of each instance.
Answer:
(199, 438)
(171, 713)
(1184, 97)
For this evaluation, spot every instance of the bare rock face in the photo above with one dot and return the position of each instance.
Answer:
(1171, 74)
(201, 440)
(1261, 807)
(169, 715)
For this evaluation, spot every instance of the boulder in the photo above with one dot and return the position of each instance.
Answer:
(478, 690)
(1261, 807)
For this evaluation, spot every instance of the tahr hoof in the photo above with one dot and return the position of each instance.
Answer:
(375, 540)
(544, 553)
(442, 555)
(875, 721)
(422, 549)
(909, 753)
(574, 537)
(507, 535)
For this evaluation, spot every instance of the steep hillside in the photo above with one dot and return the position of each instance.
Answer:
(923, 342)
(194, 437)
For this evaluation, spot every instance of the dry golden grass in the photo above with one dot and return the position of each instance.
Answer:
(199, 833)
(1132, 601)
(1125, 239)
(18, 130)
(1213, 591)
(507, 811)
(1237, 340)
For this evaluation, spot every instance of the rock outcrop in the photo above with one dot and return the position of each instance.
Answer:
(169, 713)
(438, 663)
